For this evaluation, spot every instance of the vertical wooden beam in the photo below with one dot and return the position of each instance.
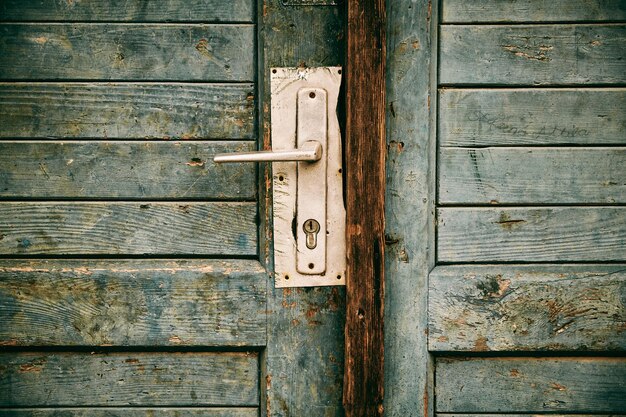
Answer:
(410, 204)
(365, 206)
(302, 366)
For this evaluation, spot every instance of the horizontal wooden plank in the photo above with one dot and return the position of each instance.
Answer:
(527, 308)
(532, 175)
(509, 117)
(132, 303)
(531, 385)
(128, 228)
(128, 11)
(131, 412)
(524, 415)
(549, 234)
(127, 111)
(128, 379)
(82, 51)
(533, 54)
(118, 170)
(467, 11)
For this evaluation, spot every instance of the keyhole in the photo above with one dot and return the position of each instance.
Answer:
(311, 227)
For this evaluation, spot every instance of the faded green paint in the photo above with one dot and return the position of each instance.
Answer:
(132, 303)
(83, 51)
(127, 111)
(527, 308)
(153, 170)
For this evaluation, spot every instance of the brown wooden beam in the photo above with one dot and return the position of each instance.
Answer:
(365, 197)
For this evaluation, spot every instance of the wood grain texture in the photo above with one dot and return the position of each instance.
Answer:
(525, 415)
(527, 308)
(533, 54)
(128, 11)
(549, 234)
(127, 110)
(304, 359)
(409, 204)
(532, 175)
(132, 303)
(81, 51)
(531, 385)
(128, 228)
(130, 412)
(118, 170)
(469, 11)
(363, 389)
(516, 117)
(128, 379)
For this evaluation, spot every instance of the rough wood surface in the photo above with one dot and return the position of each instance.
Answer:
(128, 379)
(524, 415)
(468, 11)
(533, 54)
(303, 366)
(82, 51)
(118, 170)
(531, 385)
(131, 412)
(527, 308)
(409, 205)
(532, 175)
(132, 303)
(128, 11)
(514, 117)
(548, 234)
(363, 389)
(128, 228)
(127, 110)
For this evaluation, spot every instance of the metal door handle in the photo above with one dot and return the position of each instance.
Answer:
(310, 151)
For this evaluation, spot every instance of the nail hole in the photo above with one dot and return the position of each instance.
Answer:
(340, 170)
(338, 276)
(311, 266)
(286, 276)
(281, 178)
(274, 71)
(312, 94)
(339, 72)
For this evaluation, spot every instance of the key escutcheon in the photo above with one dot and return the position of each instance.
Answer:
(311, 227)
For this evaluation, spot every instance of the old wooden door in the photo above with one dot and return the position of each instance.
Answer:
(135, 274)
(506, 225)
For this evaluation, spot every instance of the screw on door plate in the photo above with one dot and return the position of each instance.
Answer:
(311, 227)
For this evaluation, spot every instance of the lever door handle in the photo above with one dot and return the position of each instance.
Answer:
(310, 151)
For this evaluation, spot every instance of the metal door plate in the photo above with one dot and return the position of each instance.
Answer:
(292, 186)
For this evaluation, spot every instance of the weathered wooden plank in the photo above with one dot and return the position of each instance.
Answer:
(532, 175)
(492, 117)
(304, 358)
(81, 51)
(363, 390)
(96, 170)
(532, 234)
(525, 415)
(533, 54)
(132, 412)
(531, 385)
(132, 303)
(128, 11)
(128, 378)
(127, 111)
(528, 308)
(409, 204)
(468, 11)
(128, 228)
